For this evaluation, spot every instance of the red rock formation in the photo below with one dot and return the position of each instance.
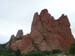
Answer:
(24, 45)
(45, 27)
(46, 34)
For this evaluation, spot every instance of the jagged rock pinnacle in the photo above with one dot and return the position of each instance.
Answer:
(46, 34)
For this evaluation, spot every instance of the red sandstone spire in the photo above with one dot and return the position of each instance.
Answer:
(46, 34)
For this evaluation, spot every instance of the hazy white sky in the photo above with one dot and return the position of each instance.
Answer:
(18, 14)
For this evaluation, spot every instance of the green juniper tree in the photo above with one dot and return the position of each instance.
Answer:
(72, 49)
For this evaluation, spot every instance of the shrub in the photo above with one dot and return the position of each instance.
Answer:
(56, 51)
(72, 49)
(37, 53)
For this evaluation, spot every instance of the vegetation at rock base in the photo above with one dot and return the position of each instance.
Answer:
(56, 52)
(38, 53)
(7, 52)
(71, 50)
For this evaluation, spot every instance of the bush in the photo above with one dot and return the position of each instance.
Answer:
(17, 53)
(56, 51)
(72, 49)
(7, 52)
(37, 53)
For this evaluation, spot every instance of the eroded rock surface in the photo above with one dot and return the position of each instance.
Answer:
(19, 34)
(46, 34)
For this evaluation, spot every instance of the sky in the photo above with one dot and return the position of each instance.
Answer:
(18, 14)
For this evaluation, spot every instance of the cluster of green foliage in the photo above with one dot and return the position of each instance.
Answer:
(37, 53)
(32, 53)
(71, 50)
(6, 52)
(43, 53)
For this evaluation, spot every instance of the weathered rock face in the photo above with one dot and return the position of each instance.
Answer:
(24, 44)
(19, 34)
(46, 34)
(14, 38)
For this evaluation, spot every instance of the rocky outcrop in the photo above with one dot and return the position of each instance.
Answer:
(19, 34)
(24, 45)
(14, 38)
(46, 34)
